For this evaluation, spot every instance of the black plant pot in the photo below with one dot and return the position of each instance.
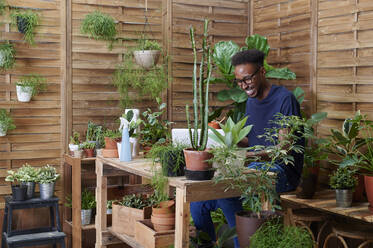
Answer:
(169, 167)
(199, 175)
(307, 187)
(19, 192)
(22, 24)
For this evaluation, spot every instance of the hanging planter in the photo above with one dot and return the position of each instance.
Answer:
(29, 86)
(6, 122)
(148, 54)
(26, 23)
(7, 56)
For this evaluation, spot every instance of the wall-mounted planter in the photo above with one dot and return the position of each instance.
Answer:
(24, 93)
(2, 131)
(22, 24)
(146, 58)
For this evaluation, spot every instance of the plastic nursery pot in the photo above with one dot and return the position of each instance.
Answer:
(30, 191)
(24, 94)
(22, 24)
(146, 58)
(110, 143)
(197, 160)
(89, 152)
(214, 124)
(369, 189)
(343, 198)
(19, 192)
(199, 175)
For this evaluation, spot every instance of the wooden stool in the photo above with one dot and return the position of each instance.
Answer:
(354, 231)
(304, 217)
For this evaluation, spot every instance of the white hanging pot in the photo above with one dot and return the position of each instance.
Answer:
(2, 130)
(146, 58)
(2, 58)
(24, 93)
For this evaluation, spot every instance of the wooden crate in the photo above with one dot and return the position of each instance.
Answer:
(148, 238)
(124, 218)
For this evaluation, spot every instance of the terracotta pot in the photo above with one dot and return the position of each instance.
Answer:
(369, 189)
(110, 143)
(308, 184)
(89, 152)
(247, 223)
(164, 220)
(163, 216)
(196, 160)
(146, 149)
(166, 207)
(214, 124)
(358, 195)
(110, 153)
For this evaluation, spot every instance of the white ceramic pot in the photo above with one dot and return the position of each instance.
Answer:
(119, 145)
(2, 131)
(181, 136)
(2, 58)
(135, 146)
(73, 147)
(109, 211)
(146, 58)
(24, 94)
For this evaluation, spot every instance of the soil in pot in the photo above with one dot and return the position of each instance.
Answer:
(197, 160)
(110, 143)
(19, 192)
(89, 153)
(248, 222)
(169, 167)
(22, 24)
(369, 189)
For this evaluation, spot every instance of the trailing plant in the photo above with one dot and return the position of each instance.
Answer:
(36, 82)
(8, 53)
(2, 6)
(47, 174)
(154, 130)
(343, 178)
(273, 233)
(26, 22)
(134, 83)
(99, 26)
(28, 173)
(75, 139)
(6, 121)
(88, 200)
(200, 95)
(133, 125)
(88, 145)
(135, 201)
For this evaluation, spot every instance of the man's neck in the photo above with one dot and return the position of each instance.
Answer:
(266, 89)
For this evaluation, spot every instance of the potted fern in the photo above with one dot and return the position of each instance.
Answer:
(196, 157)
(29, 176)
(29, 86)
(147, 54)
(26, 22)
(7, 56)
(18, 190)
(6, 122)
(47, 177)
(99, 26)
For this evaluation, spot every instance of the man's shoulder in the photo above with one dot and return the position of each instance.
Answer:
(282, 91)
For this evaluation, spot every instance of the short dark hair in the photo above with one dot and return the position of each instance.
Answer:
(251, 56)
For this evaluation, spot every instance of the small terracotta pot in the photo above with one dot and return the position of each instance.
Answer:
(369, 189)
(163, 216)
(89, 152)
(214, 124)
(110, 153)
(110, 143)
(164, 220)
(166, 207)
(146, 149)
(196, 160)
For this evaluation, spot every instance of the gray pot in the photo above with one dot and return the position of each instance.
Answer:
(30, 189)
(46, 190)
(343, 197)
(86, 216)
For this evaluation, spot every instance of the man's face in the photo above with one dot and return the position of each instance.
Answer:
(250, 79)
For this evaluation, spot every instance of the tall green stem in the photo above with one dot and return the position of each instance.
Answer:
(195, 99)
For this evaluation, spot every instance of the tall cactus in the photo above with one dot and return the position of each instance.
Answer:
(201, 97)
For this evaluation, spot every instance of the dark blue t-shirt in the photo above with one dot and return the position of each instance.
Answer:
(279, 100)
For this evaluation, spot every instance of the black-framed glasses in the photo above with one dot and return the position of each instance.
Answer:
(246, 78)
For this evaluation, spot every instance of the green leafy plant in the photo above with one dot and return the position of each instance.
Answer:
(13, 177)
(113, 134)
(88, 200)
(134, 201)
(133, 125)
(273, 233)
(3, 4)
(8, 53)
(154, 130)
(109, 204)
(200, 95)
(93, 130)
(75, 139)
(343, 178)
(203, 238)
(145, 44)
(47, 174)
(88, 145)
(99, 26)
(28, 173)
(134, 83)
(159, 184)
(6, 121)
(36, 82)
(26, 22)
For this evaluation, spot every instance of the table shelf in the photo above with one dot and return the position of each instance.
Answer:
(83, 227)
(126, 239)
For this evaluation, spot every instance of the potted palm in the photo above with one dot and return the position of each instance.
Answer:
(7, 56)
(26, 22)
(196, 157)
(29, 86)
(47, 177)
(147, 54)
(18, 190)
(6, 122)
(29, 177)
(343, 181)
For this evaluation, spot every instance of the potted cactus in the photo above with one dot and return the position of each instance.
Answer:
(196, 157)
(46, 179)
(6, 122)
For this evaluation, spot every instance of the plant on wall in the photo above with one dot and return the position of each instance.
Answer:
(7, 56)
(6, 122)
(147, 53)
(26, 22)
(99, 26)
(2, 6)
(223, 52)
(29, 86)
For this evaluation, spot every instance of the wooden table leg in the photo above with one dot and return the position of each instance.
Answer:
(101, 199)
(182, 219)
(76, 203)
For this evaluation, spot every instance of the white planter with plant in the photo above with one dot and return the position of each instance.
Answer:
(6, 122)
(74, 142)
(46, 179)
(148, 54)
(30, 86)
(88, 203)
(7, 56)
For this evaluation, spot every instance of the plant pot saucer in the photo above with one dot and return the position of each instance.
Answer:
(199, 175)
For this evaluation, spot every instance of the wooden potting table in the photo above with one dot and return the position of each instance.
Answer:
(186, 191)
